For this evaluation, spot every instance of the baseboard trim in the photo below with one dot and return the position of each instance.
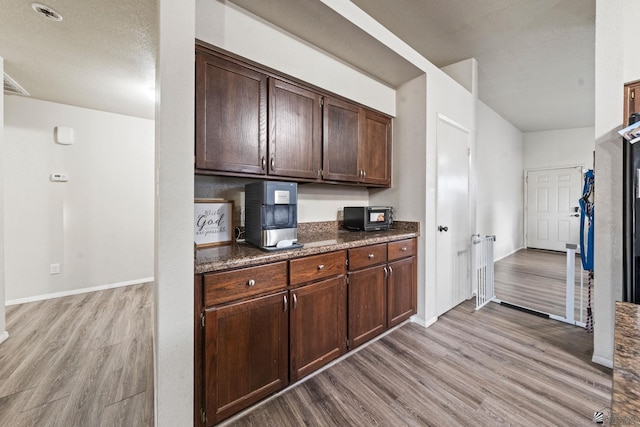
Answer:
(4, 336)
(509, 254)
(77, 291)
(602, 361)
(424, 323)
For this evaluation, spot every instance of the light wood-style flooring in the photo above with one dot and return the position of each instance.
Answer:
(536, 279)
(492, 367)
(86, 360)
(82, 360)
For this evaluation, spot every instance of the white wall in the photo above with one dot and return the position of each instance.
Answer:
(3, 331)
(173, 291)
(500, 181)
(316, 202)
(235, 30)
(615, 19)
(99, 225)
(408, 195)
(559, 148)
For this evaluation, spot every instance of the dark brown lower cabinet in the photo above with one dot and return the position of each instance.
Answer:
(402, 293)
(367, 304)
(318, 322)
(245, 354)
(266, 326)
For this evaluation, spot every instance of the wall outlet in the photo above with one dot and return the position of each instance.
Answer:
(54, 269)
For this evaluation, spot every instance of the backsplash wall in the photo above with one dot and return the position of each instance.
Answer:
(316, 202)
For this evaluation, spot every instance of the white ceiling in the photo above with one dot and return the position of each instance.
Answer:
(100, 56)
(536, 58)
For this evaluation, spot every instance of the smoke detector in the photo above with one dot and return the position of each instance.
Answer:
(46, 11)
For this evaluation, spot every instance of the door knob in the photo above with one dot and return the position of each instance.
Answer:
(441, 228)
(575, 215)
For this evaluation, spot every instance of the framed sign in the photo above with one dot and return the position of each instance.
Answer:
(213, 222)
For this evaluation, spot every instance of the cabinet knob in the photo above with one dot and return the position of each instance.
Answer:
(404, 249)
(371, 256)
(321, 267)
(251, 282)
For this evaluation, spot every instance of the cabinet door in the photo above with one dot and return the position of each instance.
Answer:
(295, 127)
(318, 325)
(231, 116)
(367, 304)
(631, 101)
(375, 149)
(341, 139)
(402, 296)
(245, 354)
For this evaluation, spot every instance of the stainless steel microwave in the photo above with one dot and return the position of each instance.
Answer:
(367, 218)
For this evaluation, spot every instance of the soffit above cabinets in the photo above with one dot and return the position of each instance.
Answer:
(319, 25)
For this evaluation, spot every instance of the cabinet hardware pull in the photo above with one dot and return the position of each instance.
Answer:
(273, 163)
(390, 271)
(264, 163)
(404, 249)
(371, 256)
(251, 282)
(286, 303)
(386, 273)
(364, 173)
(295, 301)
(321, 267)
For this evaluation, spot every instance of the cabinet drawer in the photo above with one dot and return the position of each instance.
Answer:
(402, 249)
(232, 285)
(316, 267)
(367, 255)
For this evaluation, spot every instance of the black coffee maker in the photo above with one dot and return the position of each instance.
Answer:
(271, 215)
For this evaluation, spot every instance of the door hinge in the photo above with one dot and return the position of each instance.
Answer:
(468, 152)
(346, 342)
(202, 319)
(203, 416)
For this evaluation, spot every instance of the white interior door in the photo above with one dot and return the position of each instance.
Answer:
(553, 219)
(453, 236)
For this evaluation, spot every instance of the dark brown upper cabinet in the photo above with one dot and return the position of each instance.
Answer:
(231, 116)
(375, 149)
(357, 144)
(631, 100)
(295, 131)
(341, 139)
(255, 122)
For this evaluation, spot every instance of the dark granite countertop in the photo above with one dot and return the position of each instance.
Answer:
(317, 238)
(625, 402)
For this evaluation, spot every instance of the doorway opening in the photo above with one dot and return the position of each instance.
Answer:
(535, 278)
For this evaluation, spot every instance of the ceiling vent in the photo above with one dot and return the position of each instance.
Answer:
(11, 87)
(46, 11)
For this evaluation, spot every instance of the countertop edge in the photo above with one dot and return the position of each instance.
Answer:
(258, 257)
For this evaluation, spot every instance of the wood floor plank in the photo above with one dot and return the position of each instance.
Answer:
(496, 366)
(80, 360)
(536, 279)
